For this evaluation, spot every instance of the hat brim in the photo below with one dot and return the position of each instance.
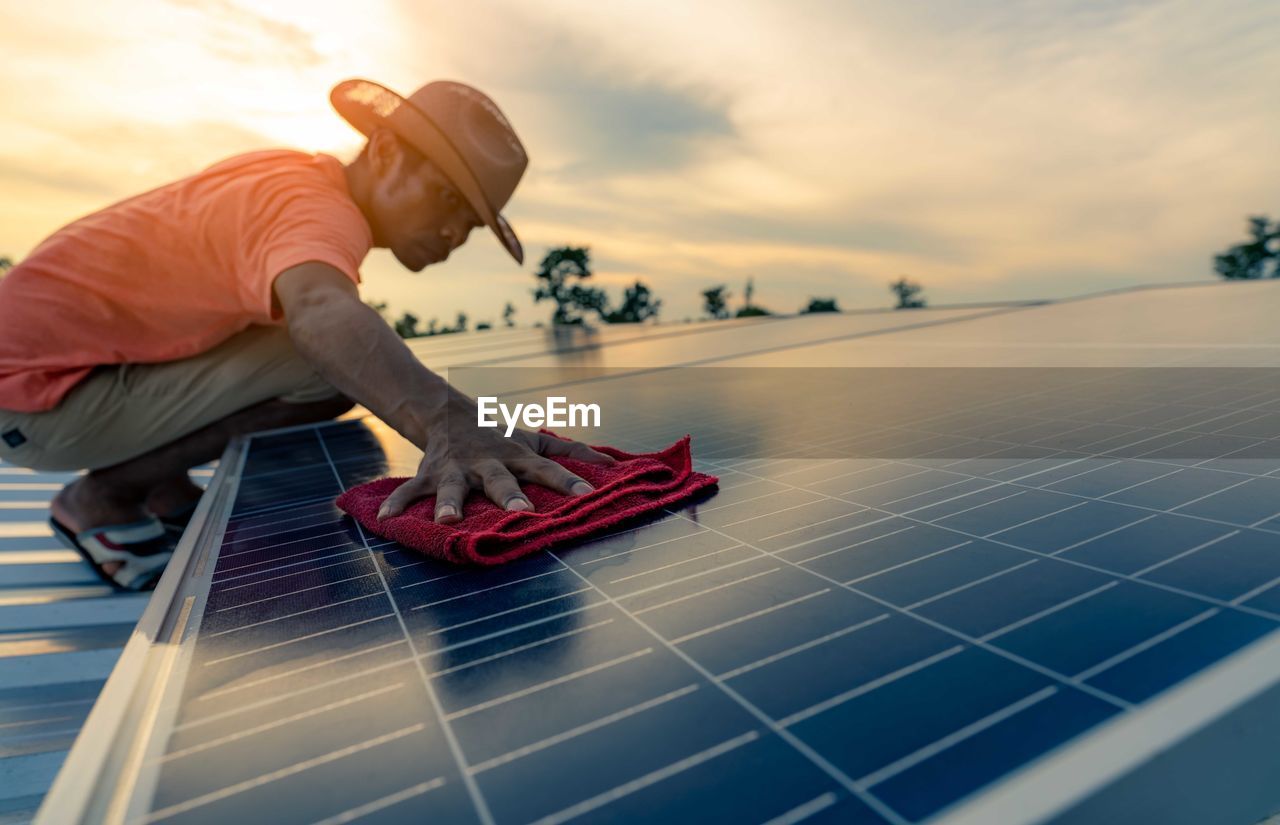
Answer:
(367, 105)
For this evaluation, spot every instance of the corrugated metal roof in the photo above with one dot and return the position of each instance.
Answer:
(61, 631)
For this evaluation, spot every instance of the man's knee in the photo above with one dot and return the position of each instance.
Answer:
(311, 389)
(319, 409)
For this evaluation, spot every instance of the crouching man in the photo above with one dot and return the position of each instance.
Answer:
(136, 341)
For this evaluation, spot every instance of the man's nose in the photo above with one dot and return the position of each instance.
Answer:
(455, 236)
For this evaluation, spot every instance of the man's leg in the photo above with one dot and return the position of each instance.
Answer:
(138, 428)
(174, 495)
(120, 493)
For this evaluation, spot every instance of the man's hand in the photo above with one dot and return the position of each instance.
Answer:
(460, 457)
(355, 350)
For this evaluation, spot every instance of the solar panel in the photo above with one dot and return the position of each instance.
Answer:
(853, 639)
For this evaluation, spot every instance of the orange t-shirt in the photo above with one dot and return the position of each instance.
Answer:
(172, 272)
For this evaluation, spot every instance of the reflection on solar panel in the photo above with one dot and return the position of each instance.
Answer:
(841, 640)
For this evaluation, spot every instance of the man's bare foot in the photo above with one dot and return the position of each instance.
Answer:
(173, 495)
(83, 504)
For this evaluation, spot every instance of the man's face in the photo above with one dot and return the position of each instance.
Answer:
(421, 215)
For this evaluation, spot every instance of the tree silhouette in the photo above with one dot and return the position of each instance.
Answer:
(714, 300)
(509, 314)
(588, 298)
(6, 263)
(750, 310)
(561, 266)
(907, 292)
(821, 305)
(407, 326)
(1249, 260)
(637, 305)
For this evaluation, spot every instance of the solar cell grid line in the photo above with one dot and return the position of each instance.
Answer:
(295, 543)
(1216, 471)
(275, 698)
(337, 462)
(996, 485)
(702, 453)
(481, 806)
(247, 526)
(887, 813)
(1157, 432)
(1129, 576)
(432, 352)
(788, 333)
(435, 352)
(1202, 596)
(1142, 508)
(287, 641)
(1173, 466)
(887, 605)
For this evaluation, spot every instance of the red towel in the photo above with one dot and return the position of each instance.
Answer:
(487, 534)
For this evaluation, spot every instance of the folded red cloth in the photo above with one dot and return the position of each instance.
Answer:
(487, 534)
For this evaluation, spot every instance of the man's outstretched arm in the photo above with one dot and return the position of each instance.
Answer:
(355, 350)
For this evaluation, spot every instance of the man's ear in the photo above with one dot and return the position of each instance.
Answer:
(384, 153)
(389, 163)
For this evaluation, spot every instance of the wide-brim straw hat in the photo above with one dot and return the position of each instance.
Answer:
(459, 128)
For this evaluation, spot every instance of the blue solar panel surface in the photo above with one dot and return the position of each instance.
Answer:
(852, 640)
(826, 639)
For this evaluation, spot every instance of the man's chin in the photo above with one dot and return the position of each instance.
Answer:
(414, 265)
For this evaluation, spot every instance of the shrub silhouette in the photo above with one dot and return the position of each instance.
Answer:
(907, 292)
(558, 275)
(407, 326)
(821, 305)
(1248, 260)
(637, 305)
(714, 300)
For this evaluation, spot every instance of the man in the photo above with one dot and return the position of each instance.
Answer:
(136, 341)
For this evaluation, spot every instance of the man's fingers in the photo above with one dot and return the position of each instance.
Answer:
(551, 475)
(402, 497)
(502, 488)
(452, 482)
(550, 445)
(450, 494)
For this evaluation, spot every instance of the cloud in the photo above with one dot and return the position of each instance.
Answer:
(1054, 134)
(627, 128)
(16, 175)
(82, 167)
(242, 35)
(986, 149)
(581, 118)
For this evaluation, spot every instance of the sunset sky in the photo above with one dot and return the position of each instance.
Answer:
(988, 149)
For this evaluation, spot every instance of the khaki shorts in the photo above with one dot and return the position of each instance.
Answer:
(121, 411)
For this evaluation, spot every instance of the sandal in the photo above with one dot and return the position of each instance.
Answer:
(143, 546)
